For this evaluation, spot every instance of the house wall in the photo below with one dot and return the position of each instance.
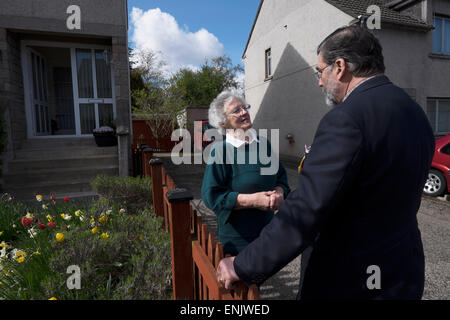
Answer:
(292, 101)
(99, 17)
(11, 90)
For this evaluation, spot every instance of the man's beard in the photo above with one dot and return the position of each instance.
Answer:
(330, 95)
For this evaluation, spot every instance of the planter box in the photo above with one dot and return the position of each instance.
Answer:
(106, 139)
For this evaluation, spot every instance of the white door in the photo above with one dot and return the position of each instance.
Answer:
(93, 89)
(40, 112)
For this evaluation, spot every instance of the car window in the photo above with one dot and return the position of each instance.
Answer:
(446, 149)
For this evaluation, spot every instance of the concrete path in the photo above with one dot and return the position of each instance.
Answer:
(434, 222)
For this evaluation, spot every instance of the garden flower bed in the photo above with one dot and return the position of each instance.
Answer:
(119, 254)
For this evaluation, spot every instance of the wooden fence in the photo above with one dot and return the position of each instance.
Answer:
(195, 252)
(142, 133)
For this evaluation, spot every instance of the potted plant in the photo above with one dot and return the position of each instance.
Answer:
(105, 136)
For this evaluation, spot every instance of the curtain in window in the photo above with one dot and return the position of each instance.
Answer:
(105, 114)
(84, 69)
(444, 116)
(437, 35)
(87, 117)
(103, 74)
(447, 36)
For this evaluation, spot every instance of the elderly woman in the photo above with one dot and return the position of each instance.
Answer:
(243, 199)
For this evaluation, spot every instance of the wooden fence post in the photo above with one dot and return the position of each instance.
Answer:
(157, 187)
(180, 234)
(147, 155)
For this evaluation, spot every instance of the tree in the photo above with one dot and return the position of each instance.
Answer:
(199, 88)
(154, 99)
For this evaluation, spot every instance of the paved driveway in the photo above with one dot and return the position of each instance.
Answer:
(434, 223)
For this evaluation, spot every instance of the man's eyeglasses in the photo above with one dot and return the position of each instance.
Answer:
(239, 109)
(318, 72)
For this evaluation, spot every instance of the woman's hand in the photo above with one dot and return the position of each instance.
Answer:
(258, 200)
(276, 198)
(261, 200)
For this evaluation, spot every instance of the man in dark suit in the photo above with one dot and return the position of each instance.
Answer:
(359, 191)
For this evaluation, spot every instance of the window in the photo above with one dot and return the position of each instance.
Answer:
(446, 149)
(441, 35)
(268, 63)
(438, 111)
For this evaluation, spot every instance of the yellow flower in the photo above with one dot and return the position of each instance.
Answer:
(29, 216)
(59, 237)
(63, 215)
(104, 235)
(1, 232)
(49, 217)
(20, 259)
(3, 244)
(37, 253)
(44, 207)
(78, 213)
(94, 230)
(39, 197)
(103, 219)
(52, 298)
(20, 253)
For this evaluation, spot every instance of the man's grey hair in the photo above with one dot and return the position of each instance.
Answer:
(360, 49)
(216, 113)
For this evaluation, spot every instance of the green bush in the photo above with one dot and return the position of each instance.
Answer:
(120, 255)
(133, 193)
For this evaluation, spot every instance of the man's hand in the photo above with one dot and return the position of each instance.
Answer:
(276, 198)
(225, 273)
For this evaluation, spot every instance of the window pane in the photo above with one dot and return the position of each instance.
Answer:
(87, 117)
(437, 35)
(33, 67)
(431, 113)
(84, 69)
(103, 73)
(444, 116)
(447, 36)
(65, 117)
(105, 114)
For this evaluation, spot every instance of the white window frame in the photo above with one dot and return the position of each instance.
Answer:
(28, 85)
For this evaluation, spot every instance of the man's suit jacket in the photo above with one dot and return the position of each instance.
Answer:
(356, 202)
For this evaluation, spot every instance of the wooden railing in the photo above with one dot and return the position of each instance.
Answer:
(195, 252)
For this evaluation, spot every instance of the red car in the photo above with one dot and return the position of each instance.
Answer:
(438, 181)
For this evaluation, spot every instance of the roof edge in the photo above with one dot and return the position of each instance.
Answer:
(253, 27)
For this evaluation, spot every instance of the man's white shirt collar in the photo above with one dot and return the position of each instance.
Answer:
(346, 96)
(251, 133)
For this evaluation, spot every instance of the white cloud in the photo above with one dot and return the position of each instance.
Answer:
(160, 32)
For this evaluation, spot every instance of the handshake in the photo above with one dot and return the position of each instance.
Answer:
(265, 200)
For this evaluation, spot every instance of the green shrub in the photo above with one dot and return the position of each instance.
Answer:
(127, 257)
(133, 193)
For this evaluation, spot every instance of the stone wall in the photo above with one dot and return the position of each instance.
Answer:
(11, 91)
(121, 86)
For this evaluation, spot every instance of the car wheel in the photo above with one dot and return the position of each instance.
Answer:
(436, 184)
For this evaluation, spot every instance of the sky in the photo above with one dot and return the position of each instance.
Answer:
(186, 32)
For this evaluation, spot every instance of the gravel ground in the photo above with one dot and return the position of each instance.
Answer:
(434, 223)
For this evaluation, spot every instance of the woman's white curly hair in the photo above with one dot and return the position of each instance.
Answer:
(216, 113)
